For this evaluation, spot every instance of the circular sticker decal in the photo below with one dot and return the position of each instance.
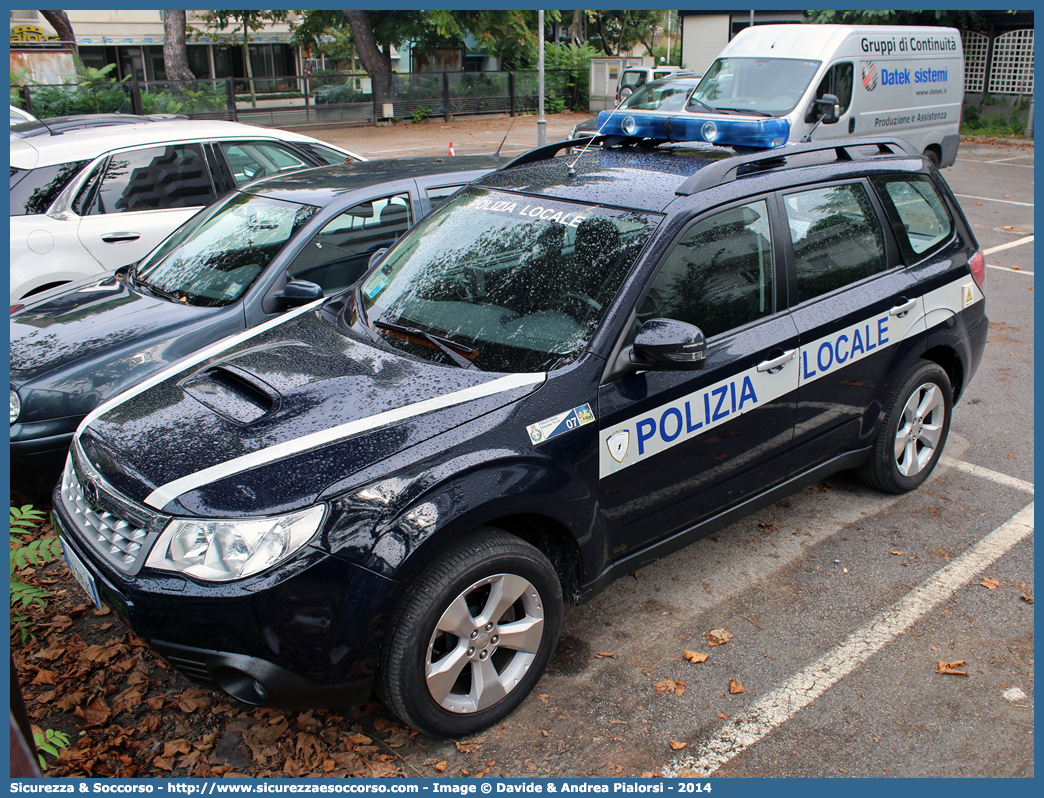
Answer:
(869, 76)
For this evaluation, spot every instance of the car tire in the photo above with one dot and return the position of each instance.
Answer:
(913, 434)
(445, 668)
(932, 156)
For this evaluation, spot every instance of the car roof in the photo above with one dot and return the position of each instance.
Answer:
(319, 186)
(87, 144)
(614, 177)
(650, 179)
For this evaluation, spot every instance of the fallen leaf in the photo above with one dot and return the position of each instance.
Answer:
(172, 747)
(735, 687)
(897, 553)
(163, 764)
(441, 766)
(950, 667)
(359, 739)
(604, 655)
(677, 746)
(718, 637)
(723, 716)
(695, 657)
(469, 746)
(44, 677)
(670, 686)
(978, 203)
(1028, 598)
(991, 584)
(97, 712)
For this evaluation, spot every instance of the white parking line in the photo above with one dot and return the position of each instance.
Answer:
(988, 474)
(783, 703)
(1013, 271)
(992, 199)
(1001, 162)
(1009, 245)
(787, 700)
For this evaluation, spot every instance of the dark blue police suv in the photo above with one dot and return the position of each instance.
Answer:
(573, 367)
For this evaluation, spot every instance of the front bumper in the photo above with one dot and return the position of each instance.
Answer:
(305, 634)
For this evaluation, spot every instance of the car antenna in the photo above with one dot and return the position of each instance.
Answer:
(504, 140)
(579, 155)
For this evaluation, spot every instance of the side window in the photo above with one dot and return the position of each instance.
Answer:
(439, 194)
(154, 178)
(338, 254)
(719, 276)
(325, 154)
(836, 236)
(252, 160)
(838, 81)
(917, 213)
(34, 191)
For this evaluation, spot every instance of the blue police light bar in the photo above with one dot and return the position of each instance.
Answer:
(765, 133)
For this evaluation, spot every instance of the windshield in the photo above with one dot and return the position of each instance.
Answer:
(214, 258)
(771, 86)
(658, 97)
(518, 283)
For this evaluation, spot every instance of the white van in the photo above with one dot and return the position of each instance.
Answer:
(901, 81)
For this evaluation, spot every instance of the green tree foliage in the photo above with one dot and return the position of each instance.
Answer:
(24, 553)
(942, 18)
(232, 28)
(614, 32)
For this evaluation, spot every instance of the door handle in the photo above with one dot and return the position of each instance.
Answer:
(901, 310)
(777, 363)
(116, 238)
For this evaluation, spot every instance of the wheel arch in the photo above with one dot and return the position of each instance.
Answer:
(539, 503)
(949, 361)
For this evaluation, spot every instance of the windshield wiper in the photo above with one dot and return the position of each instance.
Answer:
(695, 99)
(448, 346)
(360, 308)
(747, 111)
(152, 289)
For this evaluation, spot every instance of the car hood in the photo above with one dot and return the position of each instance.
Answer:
(93, 340)
(266, 424)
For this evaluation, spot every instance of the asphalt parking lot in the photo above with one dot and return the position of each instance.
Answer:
(845, 607)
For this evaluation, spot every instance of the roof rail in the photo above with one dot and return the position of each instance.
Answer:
(727, 170)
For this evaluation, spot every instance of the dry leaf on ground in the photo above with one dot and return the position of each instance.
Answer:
(718, 637)
(992, 584)
(694, 656)
(735, 687)
(951, 667)
(677, 746)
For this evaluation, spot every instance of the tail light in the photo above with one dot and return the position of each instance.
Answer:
(978, 269)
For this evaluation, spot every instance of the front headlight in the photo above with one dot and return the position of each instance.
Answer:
(16, 405)
(219, 550)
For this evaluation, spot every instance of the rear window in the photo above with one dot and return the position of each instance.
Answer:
(34, 190)
(917, 213)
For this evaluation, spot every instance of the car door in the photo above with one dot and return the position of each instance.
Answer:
(678, 447)
(138, 198)
(857, 311)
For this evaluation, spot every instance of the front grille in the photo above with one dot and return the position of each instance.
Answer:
(97, 512)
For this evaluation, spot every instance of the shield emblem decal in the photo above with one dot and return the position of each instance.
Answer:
(618, 443)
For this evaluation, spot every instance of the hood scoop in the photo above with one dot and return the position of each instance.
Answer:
(233, 393)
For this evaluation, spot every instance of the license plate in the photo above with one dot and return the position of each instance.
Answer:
(83, 576)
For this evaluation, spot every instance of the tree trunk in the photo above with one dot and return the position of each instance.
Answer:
(59, 20)
(372, 59)
(175, 51)
(606, 45)
(249, 69)
(576, 29)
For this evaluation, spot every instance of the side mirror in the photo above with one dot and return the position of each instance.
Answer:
(668, 344)
(300, 292)
(830, 108)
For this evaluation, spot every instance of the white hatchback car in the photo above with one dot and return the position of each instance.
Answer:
(90, 201)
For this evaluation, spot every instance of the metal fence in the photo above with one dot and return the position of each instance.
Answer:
(342, 98)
